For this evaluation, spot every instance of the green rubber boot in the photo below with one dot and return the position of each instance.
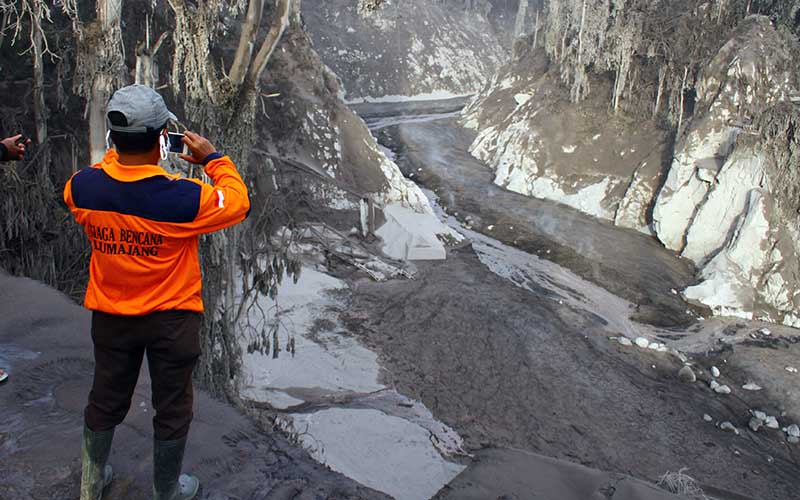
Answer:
(168, 482)
(96, 474)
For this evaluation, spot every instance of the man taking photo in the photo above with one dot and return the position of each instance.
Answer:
(144, 280)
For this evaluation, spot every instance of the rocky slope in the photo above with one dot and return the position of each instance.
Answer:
(727, 201)
(409, 48)
(310, 124)
(540, 144)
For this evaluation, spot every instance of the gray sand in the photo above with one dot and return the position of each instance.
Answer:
(45, 343)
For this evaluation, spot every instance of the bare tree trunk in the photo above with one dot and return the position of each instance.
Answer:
(146, 68)
(580, 33)
(522, 14)
(276, 30)
(39, 106)
(536, 32)
(662, 77)
(579, 86)
(97, 117)
(247, 42)
(683, 97)
(108, 56)
(4, 25)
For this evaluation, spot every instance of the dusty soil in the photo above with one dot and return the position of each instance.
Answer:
(512, 368)
(45, 344)
(515, 475)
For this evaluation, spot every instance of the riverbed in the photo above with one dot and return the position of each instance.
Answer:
(514, 340)
(512, 347)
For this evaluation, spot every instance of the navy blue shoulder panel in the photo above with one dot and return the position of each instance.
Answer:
(156, 198)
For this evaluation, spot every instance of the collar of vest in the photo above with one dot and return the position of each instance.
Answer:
(130, 173)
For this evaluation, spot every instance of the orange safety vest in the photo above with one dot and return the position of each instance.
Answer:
(143, 225)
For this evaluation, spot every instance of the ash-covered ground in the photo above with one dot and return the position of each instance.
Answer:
(518, 343)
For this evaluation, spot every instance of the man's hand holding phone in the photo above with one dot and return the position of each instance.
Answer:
(15, 147)
(199, 147)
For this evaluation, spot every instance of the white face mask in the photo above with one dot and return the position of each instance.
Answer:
(162, 145)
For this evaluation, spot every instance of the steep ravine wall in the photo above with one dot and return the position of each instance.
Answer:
(309, 123)
(718, 195)
(406, 48)
(541, 144)
(724, 203)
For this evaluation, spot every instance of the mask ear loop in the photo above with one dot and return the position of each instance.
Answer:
(108, 140)
(162, 144)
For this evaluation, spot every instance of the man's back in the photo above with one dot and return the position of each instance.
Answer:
(143, 225)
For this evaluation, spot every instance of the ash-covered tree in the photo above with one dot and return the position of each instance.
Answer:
(655, 49)
(219, 99)
(35, 38)
(26, 20)
(239, 263)
(100, 69)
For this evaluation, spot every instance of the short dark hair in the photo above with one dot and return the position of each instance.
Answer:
(126, 142)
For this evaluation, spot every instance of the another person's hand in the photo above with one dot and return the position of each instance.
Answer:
(199, 146)
(15, 148)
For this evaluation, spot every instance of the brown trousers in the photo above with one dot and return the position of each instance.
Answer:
(171, 340)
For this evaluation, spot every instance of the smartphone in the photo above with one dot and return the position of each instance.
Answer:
(176, 144)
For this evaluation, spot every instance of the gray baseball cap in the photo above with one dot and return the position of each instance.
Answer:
(143, 108)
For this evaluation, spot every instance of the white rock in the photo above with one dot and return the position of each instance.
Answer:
(408, 235)
(707, 417)
(642, 342)
(687, 375)
(729, 427)
(715, 372)
(719, 388)
(772, 423)
(755, 424)
(490, 228)
(522, 98)
(791, 369)
(760, 415)
(625, 341)
(653, 346)
(793, 430)
(765, 331)
(750, 386)
(793, 439)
